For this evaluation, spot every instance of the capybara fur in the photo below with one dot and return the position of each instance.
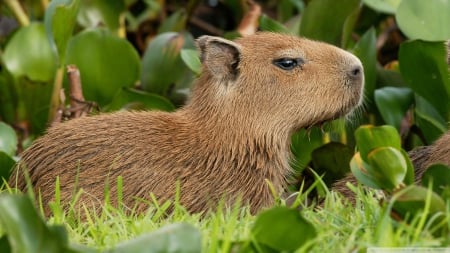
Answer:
(231, 136)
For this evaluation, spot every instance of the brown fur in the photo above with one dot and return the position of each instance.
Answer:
(232, 135)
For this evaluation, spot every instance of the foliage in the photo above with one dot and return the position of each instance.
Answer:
(140, 54)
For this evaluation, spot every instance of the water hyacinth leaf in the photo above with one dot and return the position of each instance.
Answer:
(303, 143)
(8, 139)
(4, 244)
(370, 137)
(180, 238)
(25, 229)
(132, 99)
(38, 64)
(268, 24)
(412, 200)
(191, 59)
(424, 67)
(332, 160)
(174, 23)
(324, 19)
(162, 65)
(6, 165)
(359, 170)
(410, 174)
(439, 176)
(433, 125)
(282, 229)
(385, 6)
(96, 12)
(106, 63)
(424, 20)
(60, 18)
(393, 103)
(366, 51)
(388, 165)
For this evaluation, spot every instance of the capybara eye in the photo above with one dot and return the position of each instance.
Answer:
(287, 63)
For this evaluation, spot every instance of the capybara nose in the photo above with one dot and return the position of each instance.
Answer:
(356, 72)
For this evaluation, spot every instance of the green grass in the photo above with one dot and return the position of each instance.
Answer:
(340, 226)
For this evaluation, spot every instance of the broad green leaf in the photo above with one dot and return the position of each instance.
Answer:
(60, 18)
(370, 137)
(410, 174)
(96, 12)
(349, 26)
(439, 176)
(191, 59)
(332, 160)
(106, 63)
(324, 19)
(28, 54)
(412, 200)
(423, 66)
(8, 139)
(179, 238)
(302, 145)
(8, 98)
(162, 66)
(429, 120)
(425, 20)
(6, 165)
(385, 6)
(4, 244)
(388, 165)
(174, 23)
(393, 103)
(282, 229)
(25, 229)
(268, 24)
(139, 100)
(366, 51)
(359, 170)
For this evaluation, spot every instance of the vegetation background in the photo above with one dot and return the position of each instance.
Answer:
(140, 54)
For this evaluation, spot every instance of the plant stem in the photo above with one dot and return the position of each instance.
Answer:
(18, 12)
(54, 103)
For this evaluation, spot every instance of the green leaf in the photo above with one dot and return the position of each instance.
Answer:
(366, 51)
(393, 103)
(370, 137)
(425, 20)
(410, 175)
(429, 120)
(439, 175)
(174, 23)
(106, 63)
(38, 63)
(180, 238)
(60, 18)
(423, 66)
(8, 139)
(95, 12)
(268, 24)
(303, 143)
(332, 160)
(282, 229)
(139, 100)
(412, 200)
(4, 244)
(25, 229)
(191, 59)
(385, 6)
(6, 165)
(388, 165)
(162, 64)
(324, 19)
(359, 170)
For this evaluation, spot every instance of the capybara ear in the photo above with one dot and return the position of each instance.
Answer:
(220, 57)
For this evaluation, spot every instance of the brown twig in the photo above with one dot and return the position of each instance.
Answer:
(77, 102)
(249, 23)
